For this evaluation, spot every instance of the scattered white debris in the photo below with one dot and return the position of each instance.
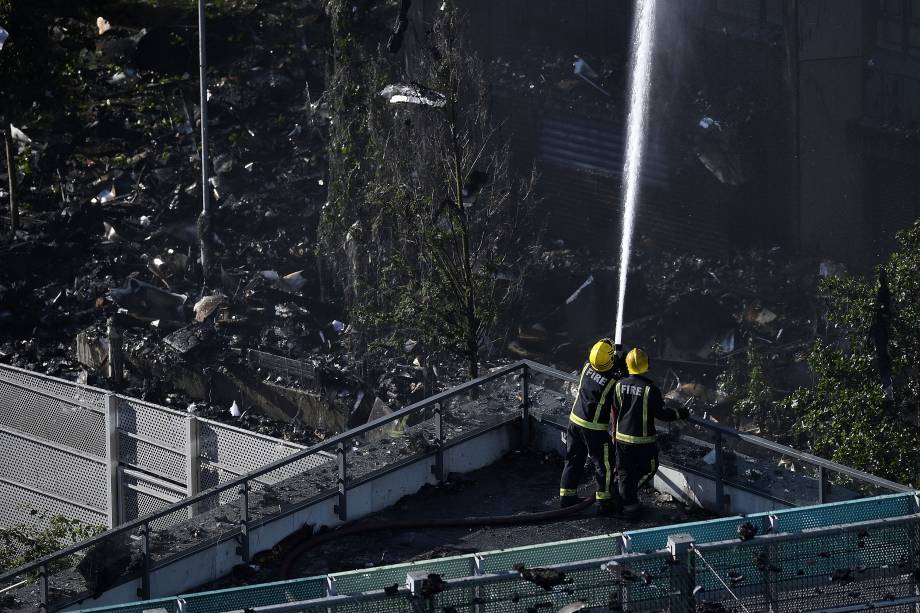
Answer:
(412, 94)
(19, 136)
(103, 25)
(765, 316)
(106, 195)
(3, 36)
(270, 275)
(145, 221)
(109, 234)
(191, 408)
(207, 305)
(338, 326)
(708, 122)
(235, 409)
(295, 281)
(123, 75)
(574, 296)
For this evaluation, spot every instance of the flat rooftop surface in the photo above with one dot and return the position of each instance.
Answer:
(521, 482)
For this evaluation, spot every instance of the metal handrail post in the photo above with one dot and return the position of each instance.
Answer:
(192, 462)
(719, 467)
(112, 458)
(144, 591)
(438, 468)
(822, 484)
(43, 588)
(770, 578)
(525, 406)
(243, 549)
(683, 575)
(341, 509)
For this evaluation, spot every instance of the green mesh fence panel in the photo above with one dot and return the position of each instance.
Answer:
(256, 595)
(789, 520)
(853, 566)
(653, 539)
(588, 548)
(138, 607)
(851, 511)
(378, 578)
(646, 583)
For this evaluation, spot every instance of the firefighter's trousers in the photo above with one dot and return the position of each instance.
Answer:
(636, 465)
(580, 444)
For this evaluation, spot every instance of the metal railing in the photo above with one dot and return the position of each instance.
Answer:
(725, 442)
(436, 417)
(243, 488)
(866, 535)
(871, 563)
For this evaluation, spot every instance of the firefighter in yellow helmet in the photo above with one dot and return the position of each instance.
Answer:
(638, 403)
(588, 433)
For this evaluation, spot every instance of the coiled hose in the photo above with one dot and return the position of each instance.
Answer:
(301, 546)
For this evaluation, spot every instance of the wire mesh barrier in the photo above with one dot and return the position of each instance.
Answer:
(53, 447)
(55, 435)
(860, 552)
(301, 373)
(239, 498)
(730, 458)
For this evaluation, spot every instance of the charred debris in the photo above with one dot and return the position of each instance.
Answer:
(104, 259)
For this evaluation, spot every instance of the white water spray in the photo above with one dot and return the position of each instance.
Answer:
(643, 41)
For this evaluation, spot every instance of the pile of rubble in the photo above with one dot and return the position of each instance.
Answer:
(695, 316)
(112, 191)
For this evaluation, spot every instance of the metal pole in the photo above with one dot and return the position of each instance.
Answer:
(116, 356)
(204, 220)
(43, 588)
(244, 522)
(192, 462)
(683, 577)
(111, 457)
(720, 471)
(341, 508)
(771, 525)
(438, 468)
(144, 591)
(525, 406)
(822, 484)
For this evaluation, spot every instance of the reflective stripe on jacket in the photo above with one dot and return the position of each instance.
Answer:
(594, 399)
(638, 404)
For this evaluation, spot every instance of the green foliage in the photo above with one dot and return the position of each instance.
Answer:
(848, 416)
(425, 260)
(744, 384)
(21, 544)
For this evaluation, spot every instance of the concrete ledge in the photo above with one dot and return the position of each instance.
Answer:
(185, 573)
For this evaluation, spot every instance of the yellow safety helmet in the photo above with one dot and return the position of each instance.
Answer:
(637, 362)
(601, 356)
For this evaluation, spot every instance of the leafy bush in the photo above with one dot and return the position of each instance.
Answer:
(859, 414)
(22, 544)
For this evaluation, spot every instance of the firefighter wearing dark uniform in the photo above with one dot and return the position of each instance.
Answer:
(588, 433)
(638, 403)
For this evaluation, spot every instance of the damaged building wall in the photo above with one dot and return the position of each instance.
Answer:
(830, 96)
(790, 121)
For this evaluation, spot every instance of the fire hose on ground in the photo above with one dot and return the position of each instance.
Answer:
(299, 545)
